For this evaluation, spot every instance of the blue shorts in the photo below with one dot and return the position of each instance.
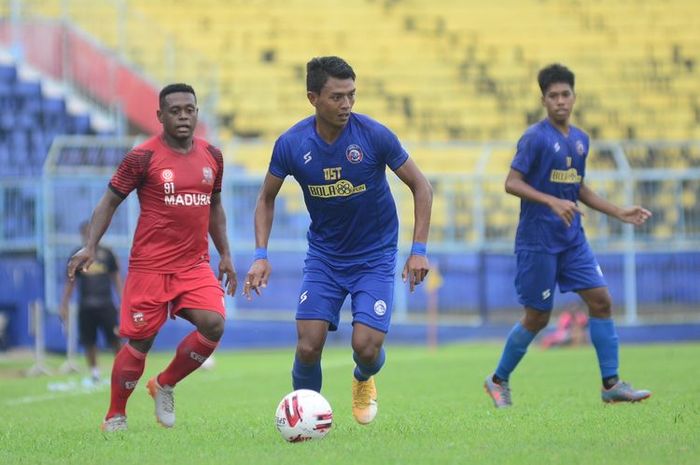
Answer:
(574, 269)
(370, 285)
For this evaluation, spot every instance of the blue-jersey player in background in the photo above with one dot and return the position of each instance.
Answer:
(547, 173)
(339, 159)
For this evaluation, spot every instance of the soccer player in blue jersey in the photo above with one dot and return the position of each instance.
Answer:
(547, 173)
(339, 159)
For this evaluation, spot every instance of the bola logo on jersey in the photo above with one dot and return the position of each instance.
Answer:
(354, 153)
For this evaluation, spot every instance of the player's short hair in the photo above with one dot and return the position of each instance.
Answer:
(553, 74)
(319, 69)
(172, 88)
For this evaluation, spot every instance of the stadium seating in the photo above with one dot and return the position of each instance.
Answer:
(29, 123)
(30, 120)
(438, 71)
(450, 70)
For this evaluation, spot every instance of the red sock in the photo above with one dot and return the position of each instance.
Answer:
(128, 368)
(191, 353)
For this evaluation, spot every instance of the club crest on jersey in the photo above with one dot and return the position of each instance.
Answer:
(354, 153)
(579, 147)
(208, 175)
(167, 175)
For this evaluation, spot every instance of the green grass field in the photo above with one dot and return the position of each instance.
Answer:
(432, 411)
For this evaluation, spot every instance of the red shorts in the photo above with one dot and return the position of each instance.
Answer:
(149, 298)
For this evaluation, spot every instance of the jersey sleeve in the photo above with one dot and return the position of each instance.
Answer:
(279, 163)
(526, 154)
(131, 172)
(219, 157)
(394, 153)
(587, 151)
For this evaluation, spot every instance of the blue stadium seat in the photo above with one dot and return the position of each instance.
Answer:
(8, 74)
(79, 124)
(8, 105)
(38, 149)
(54, 114)
(28, 89)
(5, 169)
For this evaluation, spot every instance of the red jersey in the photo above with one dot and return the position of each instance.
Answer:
(174, 192)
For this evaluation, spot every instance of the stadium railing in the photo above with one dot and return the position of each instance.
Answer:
(651, 270)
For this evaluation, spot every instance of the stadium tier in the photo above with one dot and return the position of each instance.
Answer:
(31, 118)
(433, 72)
(436, 71)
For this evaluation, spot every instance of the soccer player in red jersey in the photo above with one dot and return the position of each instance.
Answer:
(178, 180)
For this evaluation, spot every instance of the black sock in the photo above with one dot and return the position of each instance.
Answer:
(610, 381)
(497, 380)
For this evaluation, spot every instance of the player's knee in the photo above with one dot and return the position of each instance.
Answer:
(600, 308)
(367, 353)
(213, 328)
(308, 352)
(142, 345)
(535, 321)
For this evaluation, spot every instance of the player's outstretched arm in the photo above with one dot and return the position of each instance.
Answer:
(260, 270)
(217, 231)
(517, 186)
(635, 214)
(417, 267)
(101, 217)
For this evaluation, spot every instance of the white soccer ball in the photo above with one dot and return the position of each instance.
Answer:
(303, 415)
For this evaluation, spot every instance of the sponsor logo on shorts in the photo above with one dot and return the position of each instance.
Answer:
(546, 294)
(380, 307)
(303, 297)
(139, 319)
(599, 270)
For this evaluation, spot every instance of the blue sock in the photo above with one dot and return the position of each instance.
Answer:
(514, 350)
(604, 339)
(307, 376)
(362, 371)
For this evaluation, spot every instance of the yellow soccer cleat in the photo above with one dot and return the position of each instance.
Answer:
(364, 400)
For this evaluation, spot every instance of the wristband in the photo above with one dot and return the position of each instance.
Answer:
(260, 253)
(419, 248)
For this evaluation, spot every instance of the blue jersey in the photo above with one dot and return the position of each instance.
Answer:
(554, 164)
(353, 215)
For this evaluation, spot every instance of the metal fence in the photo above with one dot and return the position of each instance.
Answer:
(653, 271)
